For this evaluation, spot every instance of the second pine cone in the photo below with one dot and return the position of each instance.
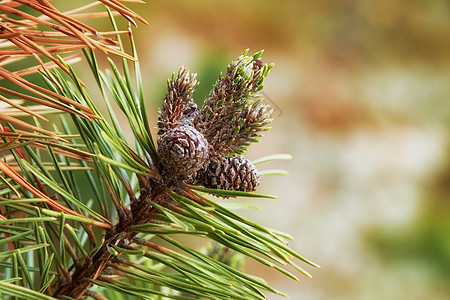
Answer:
(230, 173)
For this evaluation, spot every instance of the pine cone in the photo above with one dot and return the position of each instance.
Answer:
(183, 151)
(178, 107)
(230, 173)
(233, 114)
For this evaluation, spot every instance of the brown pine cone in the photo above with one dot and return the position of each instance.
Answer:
(230, 173)
(183, 151)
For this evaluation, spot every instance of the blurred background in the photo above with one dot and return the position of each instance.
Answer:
(361, 96)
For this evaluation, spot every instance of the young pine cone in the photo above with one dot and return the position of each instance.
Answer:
(234, 114)
(178, 107)
(183, 151)
(230, 173)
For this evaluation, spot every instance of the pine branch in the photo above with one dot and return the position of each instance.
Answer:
(60, 32)
(136, 197)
